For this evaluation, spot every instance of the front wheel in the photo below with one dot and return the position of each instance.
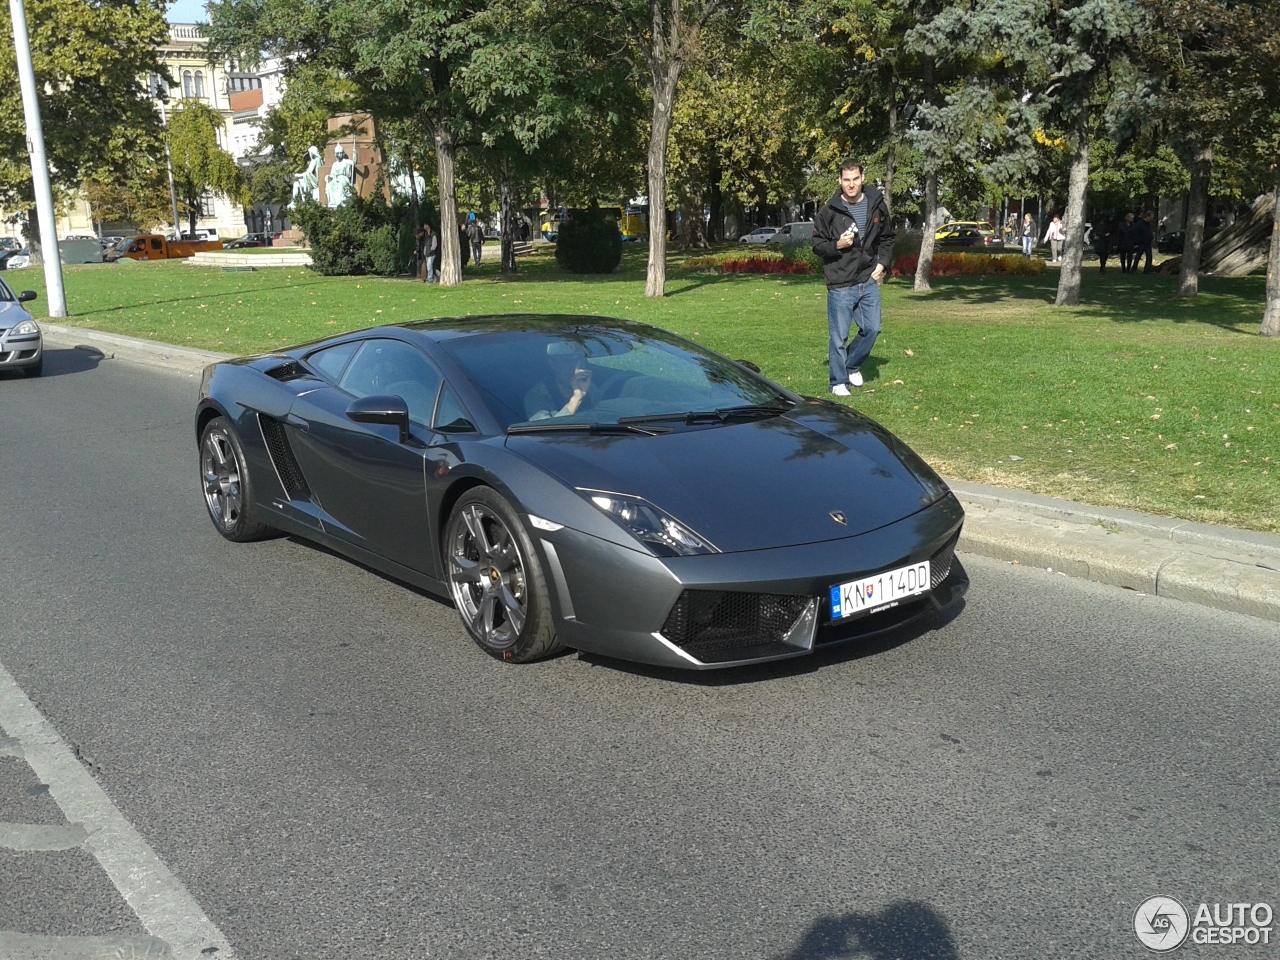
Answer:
(228, 491)
(496, 581)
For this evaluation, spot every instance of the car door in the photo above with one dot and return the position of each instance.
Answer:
(371, 487)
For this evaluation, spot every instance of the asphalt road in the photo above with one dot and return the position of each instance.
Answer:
(329, 768)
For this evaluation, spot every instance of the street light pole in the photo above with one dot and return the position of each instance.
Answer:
(168, 160)
(39, 163)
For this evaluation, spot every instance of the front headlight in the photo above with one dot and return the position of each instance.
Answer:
(25, 329)
(663, 534)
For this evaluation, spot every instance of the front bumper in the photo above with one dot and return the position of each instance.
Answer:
(17, 352)
(623, 603)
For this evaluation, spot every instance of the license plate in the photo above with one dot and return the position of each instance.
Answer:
(882, 590)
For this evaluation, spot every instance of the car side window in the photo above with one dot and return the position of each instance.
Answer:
(156, 244)
(6, 295)
(394, 368)
(450, 417)
(331, 361)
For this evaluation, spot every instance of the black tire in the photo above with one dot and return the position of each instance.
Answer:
(496, 581)
(227, 487)
(36, 369)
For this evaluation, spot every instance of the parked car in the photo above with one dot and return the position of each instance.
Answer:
(684, 511)
(21, 343)
(248, 240)
(14, 259)
(799, 231)
(968, 235)
(1172, 242)
(10, 243)
(758, 235)
(156, 247)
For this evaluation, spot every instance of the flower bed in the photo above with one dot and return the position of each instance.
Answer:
(971, 265)
(754, 262)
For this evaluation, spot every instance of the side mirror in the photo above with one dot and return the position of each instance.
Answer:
(26, 295)
(389, 410)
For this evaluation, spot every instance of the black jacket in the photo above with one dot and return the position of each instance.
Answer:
(846, 268)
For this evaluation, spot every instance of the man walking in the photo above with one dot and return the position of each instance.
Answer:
(475, 234)
(854, 237)
(428, 244)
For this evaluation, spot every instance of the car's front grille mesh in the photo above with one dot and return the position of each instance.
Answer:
(940, 562)
(708, 624)
(295, 484)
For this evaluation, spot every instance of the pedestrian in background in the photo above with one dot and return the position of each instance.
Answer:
(1028, 234)
(853, 236)
(1125, 244)
(1054, 237)
(476, 235)
(1102, 237)
(428, 244)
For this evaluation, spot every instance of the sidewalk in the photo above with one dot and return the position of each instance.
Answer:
(1234, 570)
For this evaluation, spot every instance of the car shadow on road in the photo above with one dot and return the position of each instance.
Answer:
(61, 361)
(906, 930)
(822, 657)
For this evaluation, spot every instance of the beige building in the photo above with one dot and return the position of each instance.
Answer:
(191, 75)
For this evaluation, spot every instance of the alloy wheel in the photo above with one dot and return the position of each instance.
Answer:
(220, 471)
(487, 576)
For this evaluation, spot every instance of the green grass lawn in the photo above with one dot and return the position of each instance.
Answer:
(1133, 399)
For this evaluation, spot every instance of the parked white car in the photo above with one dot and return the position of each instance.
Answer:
(21, 343)
(798, 231)
(759, 235)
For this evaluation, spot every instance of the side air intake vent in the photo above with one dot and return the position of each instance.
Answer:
(282, 458)
(287, 370)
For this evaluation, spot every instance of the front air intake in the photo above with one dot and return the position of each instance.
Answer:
(723, 625)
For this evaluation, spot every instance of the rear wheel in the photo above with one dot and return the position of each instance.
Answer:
(496, 581)
(228, 491)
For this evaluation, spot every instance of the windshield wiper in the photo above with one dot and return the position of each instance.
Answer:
(722, 415)
(620, 427)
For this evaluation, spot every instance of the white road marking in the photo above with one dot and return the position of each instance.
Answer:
(162, 903)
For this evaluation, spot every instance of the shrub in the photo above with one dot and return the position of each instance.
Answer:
(802, 253)
(972, 265)
(383, 245)
(907, 243)
(589, 243)
(362, 236)
(746, 261)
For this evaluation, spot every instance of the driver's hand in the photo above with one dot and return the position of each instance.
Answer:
(581, 380)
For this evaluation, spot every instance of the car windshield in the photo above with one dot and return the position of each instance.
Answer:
(6, 295)
(592, 376)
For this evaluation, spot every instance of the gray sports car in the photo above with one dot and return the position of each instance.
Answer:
(583, 482)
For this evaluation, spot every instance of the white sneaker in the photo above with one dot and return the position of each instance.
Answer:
(855, 378)
(840, 390)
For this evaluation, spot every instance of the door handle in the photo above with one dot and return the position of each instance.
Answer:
(297, 422)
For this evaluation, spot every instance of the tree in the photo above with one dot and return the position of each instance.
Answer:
(140, 198)
(199, 163)
(91, 60)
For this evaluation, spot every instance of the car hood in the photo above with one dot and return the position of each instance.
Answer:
(753, 485)
(12, 313)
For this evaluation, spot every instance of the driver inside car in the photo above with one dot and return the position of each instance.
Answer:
(565, 390)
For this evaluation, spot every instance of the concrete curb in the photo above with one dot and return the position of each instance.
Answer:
(1220, 567)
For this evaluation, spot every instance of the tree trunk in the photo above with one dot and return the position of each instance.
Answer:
(715, 228)
(664, 89)
(1073, 222)
(450, 248)
(508, 222)
(35, 249)
(924, 266)
(891, 153)
(1271, 316)
(1197, 204)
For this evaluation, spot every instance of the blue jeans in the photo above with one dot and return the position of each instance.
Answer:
(431, 268)
(1026, 245)
(846, 306)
